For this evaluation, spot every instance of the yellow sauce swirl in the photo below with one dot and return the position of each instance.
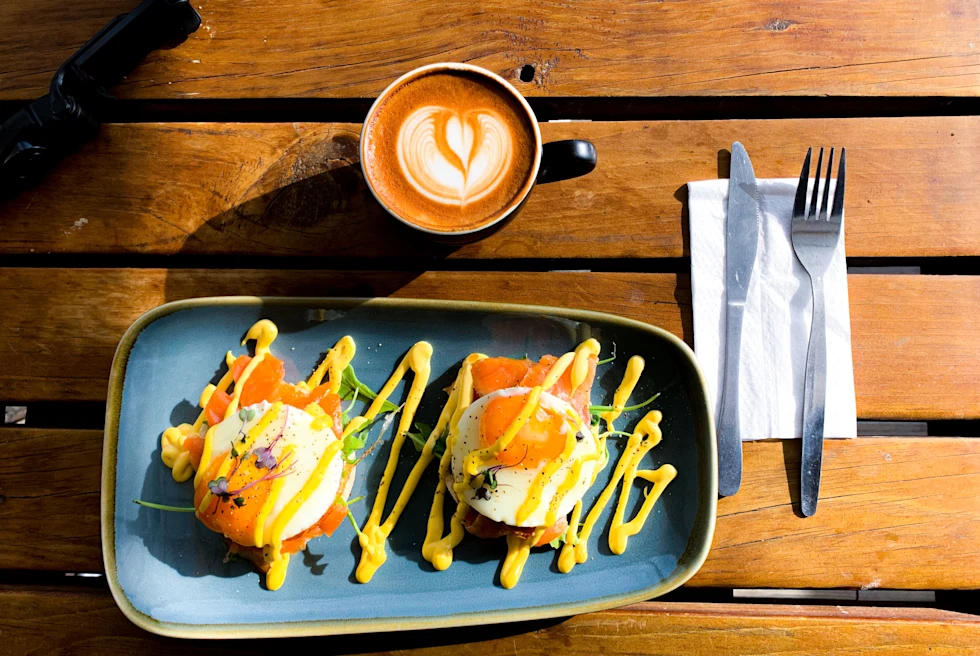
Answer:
(334, 364)
(277, 572)
(518, 549)
(630, 378)
(375, 533)
(253, 433)
(174, 453)
(645, 436)
(436, 548)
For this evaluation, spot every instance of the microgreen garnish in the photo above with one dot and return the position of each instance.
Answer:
(358, 439)
(491, 478)
(488, 481)
(610, 358)
(352, 443)
(349, 384)
(594, 409)
(618, 433)
(160, 506)
(421, 436)
(345, 412)
(554, 544)
(350, 515)
(234, 452)
(264, 458)
(219, 486)
(263, 455)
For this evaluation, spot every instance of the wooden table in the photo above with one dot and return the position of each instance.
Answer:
(174, 200)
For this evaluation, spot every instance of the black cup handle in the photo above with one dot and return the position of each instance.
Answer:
(561, 160)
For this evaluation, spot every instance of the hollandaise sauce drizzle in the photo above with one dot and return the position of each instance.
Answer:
(518, 549)
(279, 561)
(630, 378)
(436, 548)
(250, 437)
(645, 436)
(176, 455)
(264, 332)
(333, 364)
(375, 533)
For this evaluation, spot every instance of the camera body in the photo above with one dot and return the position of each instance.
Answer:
(37, 136)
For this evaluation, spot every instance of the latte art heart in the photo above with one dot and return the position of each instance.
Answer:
(454, 157)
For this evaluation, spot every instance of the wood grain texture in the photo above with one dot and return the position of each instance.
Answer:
(296, 189)
(916, 355)
(57, 476)
(894, 513)
(80, 621)
(296, 48)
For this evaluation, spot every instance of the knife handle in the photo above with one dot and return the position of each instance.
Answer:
(729, 431)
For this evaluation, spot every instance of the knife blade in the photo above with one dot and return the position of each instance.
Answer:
(741, 245)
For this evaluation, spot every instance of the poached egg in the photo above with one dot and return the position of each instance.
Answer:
(540, 441)
(263, 469)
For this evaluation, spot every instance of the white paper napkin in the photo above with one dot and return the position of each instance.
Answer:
(776, 328)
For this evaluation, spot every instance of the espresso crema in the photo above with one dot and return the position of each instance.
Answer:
(450, 150)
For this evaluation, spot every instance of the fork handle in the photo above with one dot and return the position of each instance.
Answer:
(729, 430)
(814, 400)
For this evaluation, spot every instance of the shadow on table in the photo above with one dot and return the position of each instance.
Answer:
(311, 201)
(792, 457)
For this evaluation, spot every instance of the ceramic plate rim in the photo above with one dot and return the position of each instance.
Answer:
(706, 512)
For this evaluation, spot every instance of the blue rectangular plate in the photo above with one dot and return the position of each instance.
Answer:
(165, 569)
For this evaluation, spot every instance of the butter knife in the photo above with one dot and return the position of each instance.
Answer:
(741, 244)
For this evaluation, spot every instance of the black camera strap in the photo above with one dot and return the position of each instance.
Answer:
(35, 137)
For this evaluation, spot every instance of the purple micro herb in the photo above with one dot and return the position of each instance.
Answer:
(264, 458)
(263, 455)
(271, 476)
(219, 486)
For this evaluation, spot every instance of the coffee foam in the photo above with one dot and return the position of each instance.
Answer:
(450, 150)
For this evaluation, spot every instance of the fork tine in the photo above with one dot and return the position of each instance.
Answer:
(812, 214)
(825, 204)
(837, 214)
(799, 205)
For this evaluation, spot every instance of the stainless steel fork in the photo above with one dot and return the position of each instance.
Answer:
(815, 236)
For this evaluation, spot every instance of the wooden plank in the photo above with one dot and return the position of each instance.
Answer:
(894, 513)
(899, 329)
(296, 189)
(49, 499)
(914, 338)
(270, 48)
(81, 621)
